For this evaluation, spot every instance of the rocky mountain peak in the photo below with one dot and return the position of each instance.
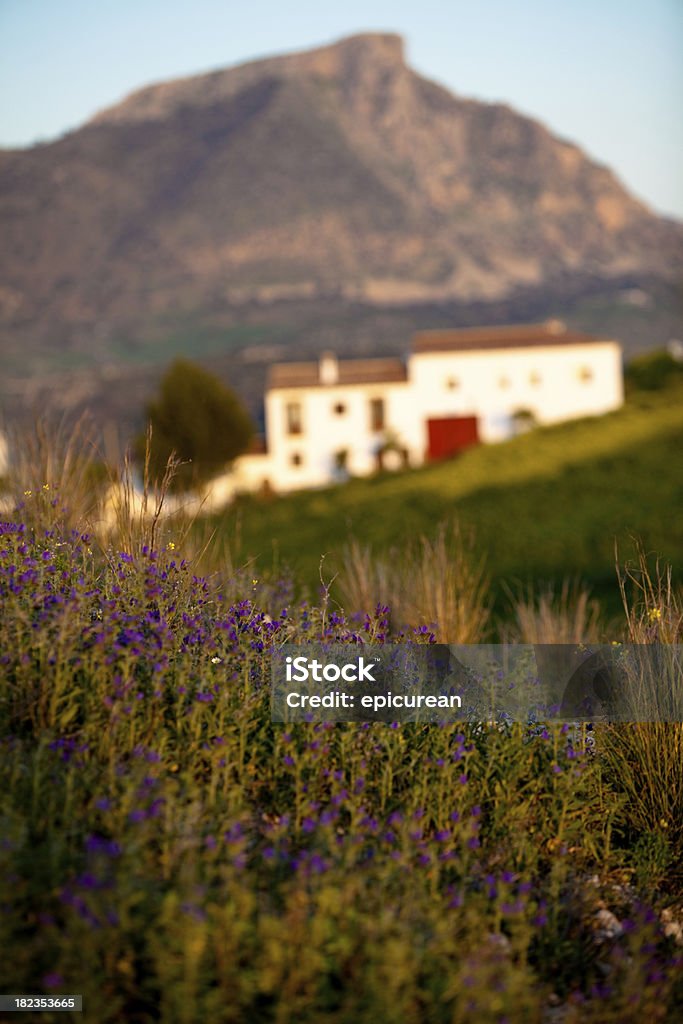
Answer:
(357, 60)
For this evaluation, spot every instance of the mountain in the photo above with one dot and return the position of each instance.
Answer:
(337, 175)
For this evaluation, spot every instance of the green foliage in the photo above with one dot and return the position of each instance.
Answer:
(653, 372)
(651, 859)
(197, 418)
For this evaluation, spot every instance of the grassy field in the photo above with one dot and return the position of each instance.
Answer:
(171, 854)
(546, 506)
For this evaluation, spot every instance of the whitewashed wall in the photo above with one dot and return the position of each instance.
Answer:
(325, 432)
(551, 382)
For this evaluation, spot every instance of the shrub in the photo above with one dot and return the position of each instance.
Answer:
(653, 372)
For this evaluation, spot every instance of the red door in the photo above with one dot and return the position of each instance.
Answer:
(450, 435)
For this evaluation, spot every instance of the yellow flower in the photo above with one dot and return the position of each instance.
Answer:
(46, 487)
(254, 582)
(654, 614)
(27, 494)
(171, 546)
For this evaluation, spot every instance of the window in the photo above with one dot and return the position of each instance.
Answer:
(339, 408)
(452, 383)
(293, 418)
(535, 378)
(295, 459)
(585, 374)
(503, 382)
(377, 414)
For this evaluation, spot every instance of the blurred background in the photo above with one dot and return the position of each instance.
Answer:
(242, 186)
(497, 163)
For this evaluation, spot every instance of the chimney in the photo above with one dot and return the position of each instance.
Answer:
(328, 371)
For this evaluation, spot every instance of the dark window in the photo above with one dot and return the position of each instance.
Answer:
(293, 418)
(585, 375)
(452, 383)
(296, 459)
(339, 409)
(377, 414)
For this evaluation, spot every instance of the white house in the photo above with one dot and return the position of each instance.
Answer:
(330, 419)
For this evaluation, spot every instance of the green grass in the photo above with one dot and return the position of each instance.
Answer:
(546, 505)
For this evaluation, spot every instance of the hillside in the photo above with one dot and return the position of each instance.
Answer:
(283, 197)
(545, 506)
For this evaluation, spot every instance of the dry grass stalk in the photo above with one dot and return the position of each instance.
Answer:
(439, 582)
(653, 605)
(569, 617)
(54, 474)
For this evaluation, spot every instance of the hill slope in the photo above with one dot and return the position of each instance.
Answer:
(545, 506)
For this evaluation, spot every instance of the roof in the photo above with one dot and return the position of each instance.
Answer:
(349, 371)
(389, 371)
(552, 332)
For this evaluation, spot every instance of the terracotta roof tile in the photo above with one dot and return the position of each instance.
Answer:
(350, 371)
(552, 332)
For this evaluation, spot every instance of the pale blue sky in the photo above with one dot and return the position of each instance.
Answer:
(607, 74)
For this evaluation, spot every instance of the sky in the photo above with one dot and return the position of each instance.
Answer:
(606, 74)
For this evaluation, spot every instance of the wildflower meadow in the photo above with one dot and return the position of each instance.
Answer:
(171, 854)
